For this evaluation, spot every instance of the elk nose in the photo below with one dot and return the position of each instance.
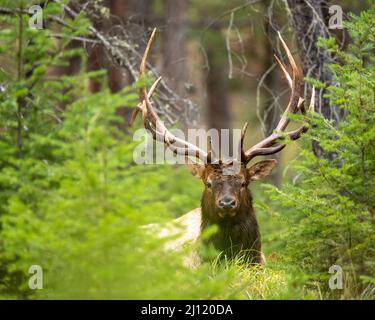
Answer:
(227, 203)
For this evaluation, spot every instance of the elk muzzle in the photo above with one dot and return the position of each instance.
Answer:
(227, 203)
(227, 206)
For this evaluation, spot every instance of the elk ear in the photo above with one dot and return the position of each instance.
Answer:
(261, 169)
(197, 170)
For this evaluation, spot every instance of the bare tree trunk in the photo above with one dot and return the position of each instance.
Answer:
(117, 77)
(174, 44)
(121, 11)
(74, 62)
(136, 11)
(140, 11)
(95, 55)
(218, 115)
(94, 63)
(271, 110)
(73, 67)
(310, 22)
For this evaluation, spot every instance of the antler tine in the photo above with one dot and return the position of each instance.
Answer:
(243, 133)
(286, 73)
(296, 81)
(140, 105)
(152, 121)
(312, 100)
(270, 144)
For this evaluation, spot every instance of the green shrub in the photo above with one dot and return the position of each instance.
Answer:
(71, 198)
(330, 206)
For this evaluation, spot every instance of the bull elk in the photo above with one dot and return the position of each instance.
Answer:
(226, 200)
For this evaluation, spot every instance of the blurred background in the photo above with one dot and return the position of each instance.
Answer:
(217, 58)
(73, 201)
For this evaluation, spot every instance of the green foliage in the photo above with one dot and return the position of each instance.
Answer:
(73, 201)
(330, 207)
(71, 198)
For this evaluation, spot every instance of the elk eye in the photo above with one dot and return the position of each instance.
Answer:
(243, 184)
(208, 184)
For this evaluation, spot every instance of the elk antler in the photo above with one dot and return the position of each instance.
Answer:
(271, 144)
(153, 123)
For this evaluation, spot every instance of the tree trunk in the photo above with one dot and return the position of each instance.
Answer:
(117, 76)
(271, 110)
(135, 11)
(122, 11)
(218, 115)
(73, 67)
(94, 63)
(310, 22)
(174, 44)
(140, 11)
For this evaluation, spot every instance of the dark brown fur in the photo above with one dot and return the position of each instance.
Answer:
(238, 227)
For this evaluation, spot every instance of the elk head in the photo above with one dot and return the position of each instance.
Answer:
(227, 195)
(224, 194)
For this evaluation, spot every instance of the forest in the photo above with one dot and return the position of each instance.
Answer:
(82, 216)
